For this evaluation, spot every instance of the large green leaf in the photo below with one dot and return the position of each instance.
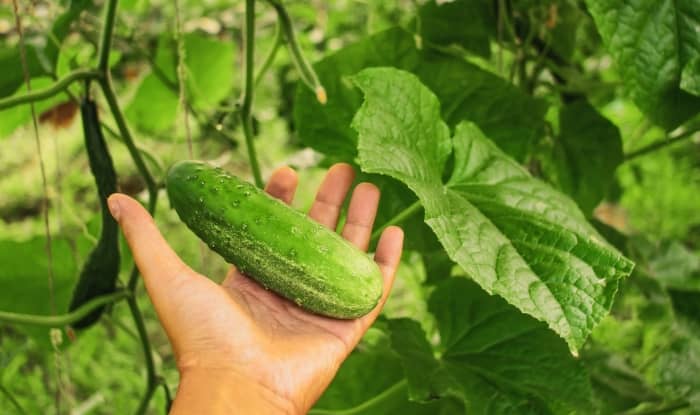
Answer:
(371, 381)
(442, 23)
(652, 42)
(210, 70)
(209, 79)
(511, 118)
(587, 153)
(154, 106)
(513, 234)
(498, 360)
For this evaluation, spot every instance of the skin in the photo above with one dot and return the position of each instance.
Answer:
(239, 348)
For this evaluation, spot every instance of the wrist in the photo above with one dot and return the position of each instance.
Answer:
(220, 391)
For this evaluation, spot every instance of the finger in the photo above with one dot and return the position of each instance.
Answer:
(283, 184)
(361, 214)
(329, 199)
(163, 271)
(387, 256)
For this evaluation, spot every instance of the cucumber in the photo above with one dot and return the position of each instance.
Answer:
(101, 270)
(281, 248)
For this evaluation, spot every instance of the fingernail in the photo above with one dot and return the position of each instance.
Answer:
(113, 205)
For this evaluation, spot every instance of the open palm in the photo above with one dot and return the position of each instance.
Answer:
(241, 328)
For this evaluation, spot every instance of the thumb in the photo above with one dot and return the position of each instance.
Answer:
(163, 271)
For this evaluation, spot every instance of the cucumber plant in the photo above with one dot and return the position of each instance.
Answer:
(533, 156)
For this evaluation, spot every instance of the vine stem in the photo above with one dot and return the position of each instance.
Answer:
(12, 400)
(279, 38)
(390, 392)
(661, 144)
(42, 167)
(400, 217)
(60, 85)
(63, 319)
(247, 107)
(307, 73)
(111, 97)
(665, 409)
(152, 378)
(168, 396)
(181, 75)
(106, 36)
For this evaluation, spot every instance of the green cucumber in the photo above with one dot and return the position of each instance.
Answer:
(281, 248)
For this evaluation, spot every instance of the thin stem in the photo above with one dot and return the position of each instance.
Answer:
(366, 406)
(111, 98)
(120, 325)
(661, 144)
(306, 72)
(106, 36)
(400, 217)
(181, 75)
(247, 106)
(41, 94)
(149, 157)
(168, 396)
(151, 377)
(270, 58)
(44, 184)
(64, 319)
(12, 400)
(664, 409)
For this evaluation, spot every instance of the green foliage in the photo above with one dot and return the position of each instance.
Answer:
(515, 150)
(41, 53)
(208, 74)
(690, 79)
(442, 24)
(510, 233)
(29, 264)
(511, 118)
(587, 153)
(654, 44)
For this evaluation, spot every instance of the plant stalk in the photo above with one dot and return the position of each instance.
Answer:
(151, 377)
(366, 407)
(306, 72)
(279, 38)
(400, 217)
(13, 401)
(106, 36)
(661, 144)
(247, 105)
(60, 85)
(111, 98)
(64, 319)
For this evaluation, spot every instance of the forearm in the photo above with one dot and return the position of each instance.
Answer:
(222, 392)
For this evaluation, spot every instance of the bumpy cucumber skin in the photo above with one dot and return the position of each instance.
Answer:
(279, 247)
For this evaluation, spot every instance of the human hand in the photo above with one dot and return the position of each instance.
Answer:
(242, 349)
